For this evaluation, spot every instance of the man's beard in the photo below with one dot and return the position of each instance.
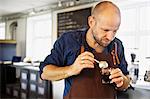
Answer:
(99, 41)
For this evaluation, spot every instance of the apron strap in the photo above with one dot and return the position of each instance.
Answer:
(82, 49)
(115, 55)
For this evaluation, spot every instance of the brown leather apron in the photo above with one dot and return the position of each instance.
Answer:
(88, 84)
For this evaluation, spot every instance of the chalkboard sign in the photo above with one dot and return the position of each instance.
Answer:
(73, 20)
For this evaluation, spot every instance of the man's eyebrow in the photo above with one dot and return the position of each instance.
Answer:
(103, 28)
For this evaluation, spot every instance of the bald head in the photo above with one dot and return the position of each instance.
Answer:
(105, 7)
(104, 23)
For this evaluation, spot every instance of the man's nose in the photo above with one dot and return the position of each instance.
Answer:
(110, 35)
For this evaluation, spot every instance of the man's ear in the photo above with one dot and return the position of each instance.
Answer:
(91, 21)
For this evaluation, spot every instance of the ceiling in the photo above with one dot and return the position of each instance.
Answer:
(8, 7)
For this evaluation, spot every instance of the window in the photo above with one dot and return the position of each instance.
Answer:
(39, 30)
(134, 33)
(2, 30)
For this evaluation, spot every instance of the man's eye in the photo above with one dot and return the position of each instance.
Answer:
(115, 32)
(106, 30)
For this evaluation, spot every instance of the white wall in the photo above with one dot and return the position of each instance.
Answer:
(20, 35)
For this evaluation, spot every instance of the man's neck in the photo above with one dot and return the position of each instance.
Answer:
(92, 43)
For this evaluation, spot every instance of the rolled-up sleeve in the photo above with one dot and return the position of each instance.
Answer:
(56, 56)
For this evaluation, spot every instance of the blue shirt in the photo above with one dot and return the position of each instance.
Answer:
(67, 48)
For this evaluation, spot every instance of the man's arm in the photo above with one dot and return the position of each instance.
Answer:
(52, 72)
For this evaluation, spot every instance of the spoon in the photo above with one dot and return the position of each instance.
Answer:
(102, 64)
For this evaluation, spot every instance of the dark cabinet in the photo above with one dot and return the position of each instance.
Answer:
(33, 86)
(7, 76)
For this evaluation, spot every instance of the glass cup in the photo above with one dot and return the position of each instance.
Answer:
(105, 75)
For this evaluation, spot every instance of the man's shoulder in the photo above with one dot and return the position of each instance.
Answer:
(119, 44)
(118, 41)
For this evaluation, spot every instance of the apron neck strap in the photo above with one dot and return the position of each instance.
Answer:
(114, 54)
(82, 49)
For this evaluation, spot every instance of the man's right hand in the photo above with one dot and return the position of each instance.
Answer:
(84, 60)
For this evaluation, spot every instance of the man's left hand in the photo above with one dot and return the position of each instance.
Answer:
(117, 77)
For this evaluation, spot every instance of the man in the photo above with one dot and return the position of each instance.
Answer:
(73, 57)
